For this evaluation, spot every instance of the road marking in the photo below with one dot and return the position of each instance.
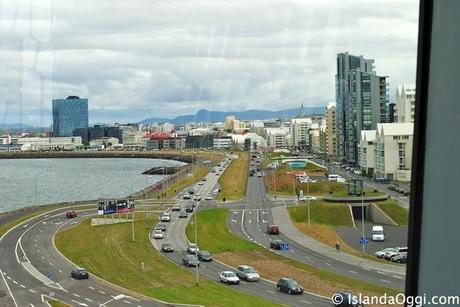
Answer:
(243, 282)
(8, 277)
(326, 263)
(271, 291)
(399, 277)
(366, 269)
(88, 299)
(101, 292)
(353, 272)
(25, 226)
(33, 291)
(75, 294)
(381, 273)
(60, 271)
(79, 303)
(127, 302)
(15, 282)
(134, 299)
(308, 257)
(22, 286)
(50, 263)
(384, 280)
(306, 302)
(92, 288)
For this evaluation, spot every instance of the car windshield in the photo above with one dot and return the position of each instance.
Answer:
(230, 274)
(204, 253)
(292, 283)
(250, 270)
(192, 245)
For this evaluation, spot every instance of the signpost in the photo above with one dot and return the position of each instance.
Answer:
(363, 240)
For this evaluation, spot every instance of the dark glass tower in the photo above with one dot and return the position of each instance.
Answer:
(69, 114)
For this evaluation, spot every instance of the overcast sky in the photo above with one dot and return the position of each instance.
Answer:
(145, 58)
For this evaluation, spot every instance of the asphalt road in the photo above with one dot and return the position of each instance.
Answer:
(28, 256)
(250, 222)
(175, 234)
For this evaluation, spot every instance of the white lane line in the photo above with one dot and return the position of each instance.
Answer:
(366, 269)
(326, 263)
(75, 294)
(60, 271)
(88, 299)
(22, 286)
(33, 291)
(399, 277)
(308, 257)
(306, 302)
(381, 273)
(273, 292)
(25, 226)
(353, 272)
(8, 277)
(50, 263)
(243, 282)
(127, 302)
(92, 288)
(134, 299)
(101, 292)
(384, 280)
(15, 282)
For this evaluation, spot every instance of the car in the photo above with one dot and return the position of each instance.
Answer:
(247, 273)
(397, 250)
(346, 299)
(357, 172)
(197, 198)
(229, 277)
(188, 208)
(71, 214)
(194, 204)
(251, 174)
(200, 183)
(381, 254)
(175, 207)
(217, 174)
(393, 187)
(259, 174)
(158, 234)
(289, 285)
(276, 244)
(166, 217)
(79, 273)
(273, 230)
(377, 233)
(307, 198)
(192, 248)
(399, 258)
(203, 179)
(183, 214)
(167, 247)
(186, 196)
(191, 191)
(190, 261)
(204, 256)
(209, 197)
(161, 227)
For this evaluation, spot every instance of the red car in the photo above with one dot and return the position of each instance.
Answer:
(273, 230)
(71, 214)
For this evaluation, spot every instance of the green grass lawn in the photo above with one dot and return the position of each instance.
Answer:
(111, 244)
(54, 303)
(233, 180)
(321, 212)
(214, 236)
(391, 207)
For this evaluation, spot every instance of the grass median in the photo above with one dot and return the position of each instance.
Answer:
(54, 303)
(108, 252)
(395, 211)
(233, 180)
(213, 235)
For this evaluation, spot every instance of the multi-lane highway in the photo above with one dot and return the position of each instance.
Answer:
(175, 234)
(250, 220)
(34, 271)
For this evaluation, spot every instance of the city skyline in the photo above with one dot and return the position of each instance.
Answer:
(169, 59)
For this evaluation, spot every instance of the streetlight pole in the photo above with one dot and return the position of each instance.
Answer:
(362, 212)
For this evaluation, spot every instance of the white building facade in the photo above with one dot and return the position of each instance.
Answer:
(405, 103)
(366, 152)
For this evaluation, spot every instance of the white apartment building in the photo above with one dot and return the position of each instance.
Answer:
(393, 150)
(167, 127)
(314, 139)
(256, 140)
(48, 143)
(224, 142)
(278, 138)
(299, 131)
(405, 103)
(366, 152)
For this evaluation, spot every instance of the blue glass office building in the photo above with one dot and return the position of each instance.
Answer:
(69, 114)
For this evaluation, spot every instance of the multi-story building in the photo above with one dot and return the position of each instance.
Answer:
(69, 114)
(199, 141)
(299, 132)
(393, 150)
(278, 138)
(98, 132)
(362, 100)
(314, 139)
(229, 122)
(163, 140)
(366, 152)
(49, 143)
(222, 142)
(167, 127)
(330, 131)
(405, 103)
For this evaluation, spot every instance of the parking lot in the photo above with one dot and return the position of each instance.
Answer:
(395, 236)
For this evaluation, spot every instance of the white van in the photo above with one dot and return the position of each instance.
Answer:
(377, 233)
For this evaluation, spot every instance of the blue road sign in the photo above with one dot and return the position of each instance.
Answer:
(363, 240)
(50, 275)
(284, 246)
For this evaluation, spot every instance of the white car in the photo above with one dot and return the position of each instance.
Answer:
(200, 183)
(229, 277)
(166, 217)
(307, 198)
(192, 248)
(381, 254)
(209, 197)
(158, 234)
(186, 196)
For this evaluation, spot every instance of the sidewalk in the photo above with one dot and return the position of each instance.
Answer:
(281, 217)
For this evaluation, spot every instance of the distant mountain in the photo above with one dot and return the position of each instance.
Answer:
(218, 116)
(15, 126)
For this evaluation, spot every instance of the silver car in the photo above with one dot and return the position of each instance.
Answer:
(247, 273)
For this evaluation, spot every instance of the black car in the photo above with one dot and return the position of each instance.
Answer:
(346, 299)
(79, 273)
(204, 256)
(188, 208)
(190, 261)
(191, 192)
(167, 247)
(289, 285)
(276, 244)
(183, 214)
(161, 227)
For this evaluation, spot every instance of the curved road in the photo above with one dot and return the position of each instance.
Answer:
(28, 257)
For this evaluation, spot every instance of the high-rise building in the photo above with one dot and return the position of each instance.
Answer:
(362, 102)
(69, 114)
(299, 131)
(331, 132)
(405, 103)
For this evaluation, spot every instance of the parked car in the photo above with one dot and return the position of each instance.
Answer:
(346, 299)
(192, 248)
(161, 227)
(183, 214)
(158, 234)
(190, 261)
(399, 258)
(79, 273)
(289, 285)
(71, 214)
(175, 207)
(273, 230)
(166, 217)
(229, 277)
(276, 244)
(397, 250)
(381, 254)
(204, 256)
(393, 187)
(247, 273)
(167, 247)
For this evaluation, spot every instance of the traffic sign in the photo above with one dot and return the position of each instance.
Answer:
(363, 240)
(284, 246)
(50, 275)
